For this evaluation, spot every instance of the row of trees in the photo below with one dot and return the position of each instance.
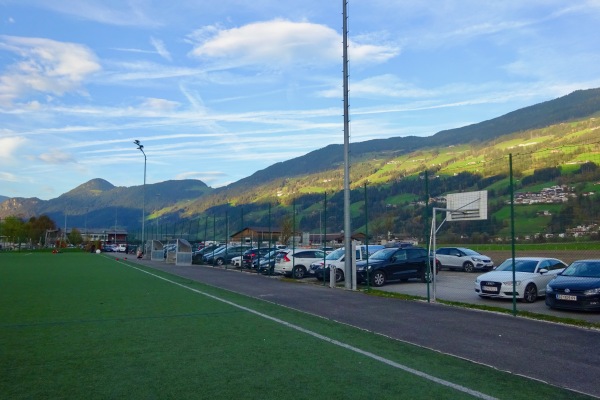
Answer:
(15, 230)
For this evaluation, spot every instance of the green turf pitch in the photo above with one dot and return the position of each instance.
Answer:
(82, 325)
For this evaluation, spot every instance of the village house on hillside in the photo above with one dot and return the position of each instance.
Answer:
(551, 195)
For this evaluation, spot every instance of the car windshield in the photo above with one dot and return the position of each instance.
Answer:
(588, 269)
(334, 255)
(383, 254)
(520, 265)
(470, 252)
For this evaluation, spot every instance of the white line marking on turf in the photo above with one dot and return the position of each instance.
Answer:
(330, 340)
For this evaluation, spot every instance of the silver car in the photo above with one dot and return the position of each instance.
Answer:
(464, 259)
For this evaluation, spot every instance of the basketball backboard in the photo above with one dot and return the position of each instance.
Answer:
(467, 206)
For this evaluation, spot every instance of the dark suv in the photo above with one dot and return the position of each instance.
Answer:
(394, 264)
(250, 257)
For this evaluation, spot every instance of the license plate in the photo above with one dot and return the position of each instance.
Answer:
(489, 288)
(566, 297)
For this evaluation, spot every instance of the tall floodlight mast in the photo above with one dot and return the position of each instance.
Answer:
(140, 147)
(350, 281)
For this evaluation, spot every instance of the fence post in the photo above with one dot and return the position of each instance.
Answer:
(512, 232)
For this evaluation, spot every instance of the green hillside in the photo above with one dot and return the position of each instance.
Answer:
(561, 154)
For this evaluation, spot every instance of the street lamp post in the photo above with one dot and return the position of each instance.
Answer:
(141, 148)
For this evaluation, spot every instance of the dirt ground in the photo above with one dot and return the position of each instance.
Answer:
(568, 256)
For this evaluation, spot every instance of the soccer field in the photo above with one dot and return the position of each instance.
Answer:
(80, 325)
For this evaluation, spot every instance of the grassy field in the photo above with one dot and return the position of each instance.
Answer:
(78, 325)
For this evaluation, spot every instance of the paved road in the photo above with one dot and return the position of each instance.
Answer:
(460, 286)
(561, 355)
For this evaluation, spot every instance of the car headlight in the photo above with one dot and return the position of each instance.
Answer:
(592, 292)
(510, 283)
(477, 259)
(549, 289)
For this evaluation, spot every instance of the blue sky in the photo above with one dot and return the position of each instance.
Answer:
(216, 90)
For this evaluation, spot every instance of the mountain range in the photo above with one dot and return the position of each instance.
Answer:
(382, 162)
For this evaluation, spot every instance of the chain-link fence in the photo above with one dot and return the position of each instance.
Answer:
(542, 212)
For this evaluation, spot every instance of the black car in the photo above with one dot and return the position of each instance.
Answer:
(197, 256)
(576, 288)
(394, 264)
(250, 257)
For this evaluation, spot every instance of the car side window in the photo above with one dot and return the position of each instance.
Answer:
(455, 253)
(544, 265)
(442, 251)
(414, 254)
(400, 255)
(555, 264)
(303, 254)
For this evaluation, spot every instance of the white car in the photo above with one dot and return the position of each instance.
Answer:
(296, 262)
(462, 258)
(236, 261)
(532, 274)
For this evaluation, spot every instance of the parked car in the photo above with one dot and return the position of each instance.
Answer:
(236, 261)
(532, 274)
(576, 288)
(462, 258)
(394, 264)
(253, 254)
(336, 259)
(197, 256)
(296, 262)
(266, 264)
(108, 248)
(224, 255)
(208, 254)
(169, 248)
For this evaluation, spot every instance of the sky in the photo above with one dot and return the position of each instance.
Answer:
(217, 90)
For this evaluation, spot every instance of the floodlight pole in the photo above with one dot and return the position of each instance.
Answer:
(349, 273)
(141, 148)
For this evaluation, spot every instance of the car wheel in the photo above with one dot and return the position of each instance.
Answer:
(339, 275)
(299, 272)
(530, 295)
(220, 261)
(468, 266)
(378, 278)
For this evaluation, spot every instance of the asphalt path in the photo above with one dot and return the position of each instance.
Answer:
(559, 355)
(460, 286)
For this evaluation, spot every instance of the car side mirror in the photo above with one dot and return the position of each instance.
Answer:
(543, 271)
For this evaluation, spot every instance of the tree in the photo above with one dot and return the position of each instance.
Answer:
(14, 229)
(37, 227)
(75, 237)
(287, 228)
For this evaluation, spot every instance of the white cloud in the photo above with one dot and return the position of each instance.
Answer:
(153, 104)
(9, 147)
(46, 66)
(160, 48)
(380, 86)
(8, 177)
(122, 13)
(281, 44)
(56, 157)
